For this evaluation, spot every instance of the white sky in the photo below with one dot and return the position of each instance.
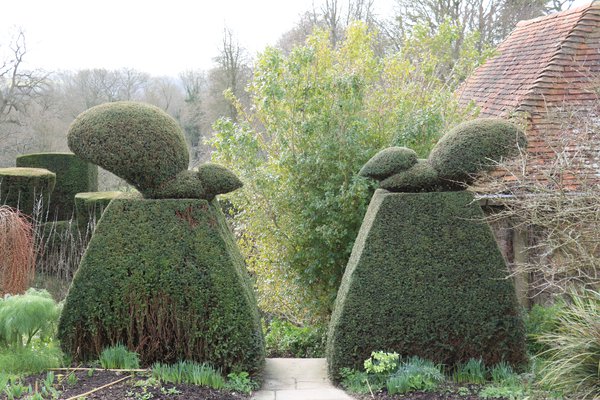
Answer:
(161, 37)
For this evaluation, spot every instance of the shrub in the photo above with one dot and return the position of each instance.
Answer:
(119, 357)
(73, 175)
(421, 177)
(26, 189)
(284, 339)
(89, 206)
(164, 277)
(475, 146)
(541, 320)
(389, 161)
(573, 353)
(425, 278)
(17, 255)
(138, 142)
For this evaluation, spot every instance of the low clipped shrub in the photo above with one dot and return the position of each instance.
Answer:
(164, 277)
(26, 189)
(89, 206)
(136, 141)
(389, 161)
(425, 278)
(284, 339)
(73, 175)
(421, 177)
(475, 146)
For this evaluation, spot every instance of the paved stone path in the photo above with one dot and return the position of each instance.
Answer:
(298, 379)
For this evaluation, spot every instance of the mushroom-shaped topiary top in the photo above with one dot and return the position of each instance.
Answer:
(389, 162)
(473, 147)
(137, 142)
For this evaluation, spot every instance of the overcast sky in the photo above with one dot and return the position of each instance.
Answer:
(161, 37)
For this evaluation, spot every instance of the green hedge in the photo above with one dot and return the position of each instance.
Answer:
(425, 278)
(91, 205)
(73, 175)
(473, 147)
(137, 142)
(165, 278)
(388, 162)
(22, 188)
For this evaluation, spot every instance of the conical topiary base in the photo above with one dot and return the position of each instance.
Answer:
(425, 278)
(165, 278)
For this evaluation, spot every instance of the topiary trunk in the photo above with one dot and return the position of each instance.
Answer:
(425, 278)
(165, 278)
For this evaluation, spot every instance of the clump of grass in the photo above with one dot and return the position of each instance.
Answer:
(573, 356)
(119, 357)
(188, 372)
(473, 371)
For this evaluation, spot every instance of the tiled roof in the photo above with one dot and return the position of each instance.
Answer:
(548, 68)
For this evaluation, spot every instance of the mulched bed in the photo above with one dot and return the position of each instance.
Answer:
(128, 389)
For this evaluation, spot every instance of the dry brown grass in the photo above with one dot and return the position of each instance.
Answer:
(17, 251)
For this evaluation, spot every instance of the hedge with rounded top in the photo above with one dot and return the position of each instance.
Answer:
(165, 278)
(23, 188)
(73, 175)
(389, 161)
(425, 278)
(473, 147)
(136, 141)
(90, 206)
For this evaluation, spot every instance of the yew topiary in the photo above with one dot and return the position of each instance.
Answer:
(136, 141)
(73, 175)
(26, 189)
(90, 206)
(166, 279)
(473, 147)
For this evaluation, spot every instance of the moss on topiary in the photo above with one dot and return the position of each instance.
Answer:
(90, 206)
(473, 147)
(389, 161)
(73, 175)
(137, 142)
(23, 188)
(421, 177)
(165, 278)
(425, 278)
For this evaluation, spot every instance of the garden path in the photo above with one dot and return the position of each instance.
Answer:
(298, 379)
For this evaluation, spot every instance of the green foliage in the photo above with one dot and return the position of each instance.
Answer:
(510, 392)
(240, 382)
(26, 189)
(284, 339)
(421, 177)
(317, 115)
(475, 146)
(119, 357)
(473, 371)
(503, 373)
(138, 142)
(425, 278)
(89, 206)
(29, 360)
(573, 355)
(166, 278)
(188, 372)
(27, 316)
(415, 374)
(541, 320)
(354, 381)
(73, 175)
(388, 162)
(381, 363)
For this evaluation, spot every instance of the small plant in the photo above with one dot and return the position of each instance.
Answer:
(473, 371)
(415, 374)
(119, 357)
(573, 355)
(541, 320)
(510, 392)
(188, 372)
(72, 379)
(240, 382)
(170, 391)
(503, 374)
(16, 390)
(381, 363)
(90, 372)
(354, 381)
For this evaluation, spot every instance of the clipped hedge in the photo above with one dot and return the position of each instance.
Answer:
(90, 206)
(421, 177)
(473, 147)
(136, 141)
(389, 161)
(73, 175)
(165, 278)
(425, 278)
(22, 188)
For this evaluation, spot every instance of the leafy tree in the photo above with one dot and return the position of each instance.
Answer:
(317, 115)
